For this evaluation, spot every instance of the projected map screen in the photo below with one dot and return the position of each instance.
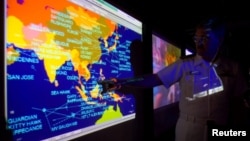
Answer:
(56, 51)
(164, 53)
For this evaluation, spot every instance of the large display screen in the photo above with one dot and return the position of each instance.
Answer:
(164, 53)
(55, 53)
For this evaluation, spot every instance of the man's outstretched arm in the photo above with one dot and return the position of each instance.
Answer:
(144, 81)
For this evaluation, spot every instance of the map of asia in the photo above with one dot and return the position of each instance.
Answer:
(56, 51)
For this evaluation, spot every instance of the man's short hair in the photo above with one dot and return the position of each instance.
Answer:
(216, 24)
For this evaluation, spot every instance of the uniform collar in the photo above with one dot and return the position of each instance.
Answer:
(198, 60)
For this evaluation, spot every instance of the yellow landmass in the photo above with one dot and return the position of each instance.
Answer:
(110, 114)
(81, 92)
(95, 92)
(116, 97)
(53, 55)
(15, 32)
(80, 65)
(12, 55)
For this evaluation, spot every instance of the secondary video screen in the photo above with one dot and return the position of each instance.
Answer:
(164, 53)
